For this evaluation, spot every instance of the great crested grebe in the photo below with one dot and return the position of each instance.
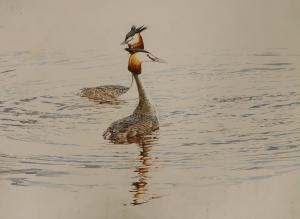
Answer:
(110, 93)
(143, 120)
(135, 32)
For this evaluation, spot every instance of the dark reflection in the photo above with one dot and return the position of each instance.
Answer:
(6, 71)
(141, 186)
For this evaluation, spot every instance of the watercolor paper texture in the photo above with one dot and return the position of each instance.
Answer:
(227, 100)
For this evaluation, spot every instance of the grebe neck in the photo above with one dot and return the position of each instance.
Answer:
(144, 102)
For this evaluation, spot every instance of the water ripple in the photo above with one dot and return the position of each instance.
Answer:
(225, 117)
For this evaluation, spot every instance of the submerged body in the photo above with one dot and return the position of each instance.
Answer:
(105, 93)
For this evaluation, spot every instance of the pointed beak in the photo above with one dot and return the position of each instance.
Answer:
(123, 43)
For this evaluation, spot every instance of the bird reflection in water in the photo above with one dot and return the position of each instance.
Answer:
(141, 185)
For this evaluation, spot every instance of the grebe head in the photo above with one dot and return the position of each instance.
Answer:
(133, 31)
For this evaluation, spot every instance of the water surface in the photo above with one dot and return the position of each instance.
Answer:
(228, 118)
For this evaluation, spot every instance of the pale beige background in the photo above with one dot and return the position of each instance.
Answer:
(182, 32)
(184, 27)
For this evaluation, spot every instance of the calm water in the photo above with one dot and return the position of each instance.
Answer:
(231, 117)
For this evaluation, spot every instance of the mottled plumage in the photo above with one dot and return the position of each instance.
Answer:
(141, 122)
(137, 125)
(105, 93)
